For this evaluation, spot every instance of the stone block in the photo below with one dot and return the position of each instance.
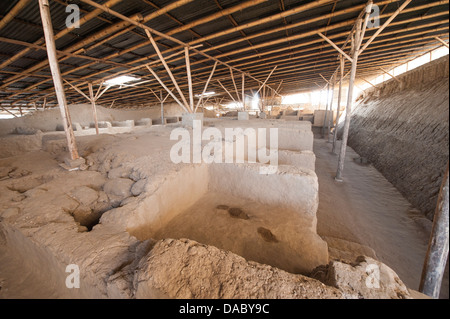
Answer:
(243, 116)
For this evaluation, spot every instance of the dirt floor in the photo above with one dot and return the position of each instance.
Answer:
(365, 215)
(368, 210)
(266, 234)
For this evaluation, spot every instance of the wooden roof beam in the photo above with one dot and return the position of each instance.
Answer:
(168, 37)
(60, 34)
(13, 13)
(442, 41)
(384, 26)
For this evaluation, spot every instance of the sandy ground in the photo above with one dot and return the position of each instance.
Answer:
(368, 210)
(266, 234)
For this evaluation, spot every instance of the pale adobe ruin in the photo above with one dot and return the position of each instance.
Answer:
(192, 177)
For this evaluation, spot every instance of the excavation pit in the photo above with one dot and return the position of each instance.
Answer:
(258, 232)
(244, 213)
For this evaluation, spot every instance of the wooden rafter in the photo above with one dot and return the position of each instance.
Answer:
(295, 65)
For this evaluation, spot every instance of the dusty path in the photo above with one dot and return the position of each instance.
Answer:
(368, 210)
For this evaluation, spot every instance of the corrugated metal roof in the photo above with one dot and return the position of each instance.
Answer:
(26, 27)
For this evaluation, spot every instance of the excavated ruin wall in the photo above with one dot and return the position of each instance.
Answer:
(403, 129)
(49, 119)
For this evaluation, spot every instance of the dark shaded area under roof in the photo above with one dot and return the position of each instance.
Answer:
(289, 42)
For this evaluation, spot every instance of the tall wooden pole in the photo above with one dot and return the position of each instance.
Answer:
(264, 99)
(162, 107)
(437, 254)
(166, 66)
(206, 86)
(94, 108)
(342, 66)
(228, 92)
(326, 110)
(185, 107)
(330, 120)
(243, 92)
(189, 76)
(355, 41)
(235, 86)
(57, 79)
(385, 24)
(267, 79)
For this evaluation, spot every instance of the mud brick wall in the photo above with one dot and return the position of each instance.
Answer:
(403, 129)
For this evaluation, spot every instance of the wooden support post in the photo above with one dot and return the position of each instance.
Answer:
(156, 95)
(366, 21)
(162, 107)
(264, 99)
(112, 104)
(326, 110)
(243, 92)
(333, 82)
(94, 108)
(57, 79)
(384, 26)
(272, 99)
(166, 66)
(234, 84)
(267, 79)
(368, 82)
(206, 86)
(45, 103)
(167, 90)
(98, 90)
(442, 41)
(204, 104)
(92, 98)
(220, 83)
(78, 90)
(189, 76)
(356, 51)
(8, 111)
(392, 76)
(99, 94)
(348, 73)
(342, 67)
(326, 81)
(20, 110)
(336, 47)
(167, 96)
(437, 253)
(279, 87)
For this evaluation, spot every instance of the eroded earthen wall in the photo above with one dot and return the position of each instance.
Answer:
(404, 132)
